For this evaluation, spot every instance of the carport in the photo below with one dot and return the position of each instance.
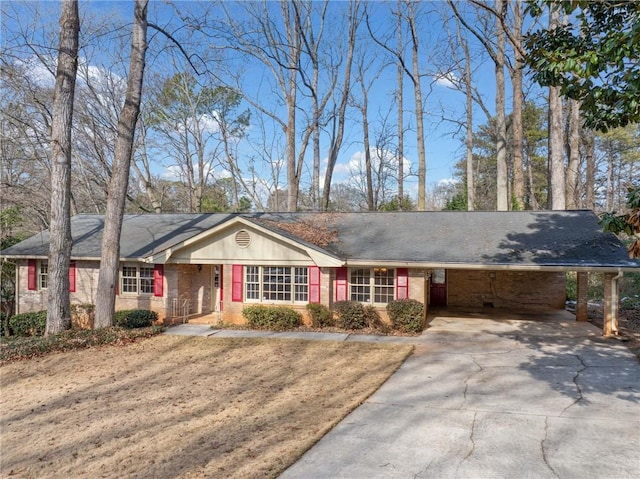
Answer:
(507, 289)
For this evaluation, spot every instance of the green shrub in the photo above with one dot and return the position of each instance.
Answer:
(134, 318)
(406, 315)
(351, 315)
(274, 318)
(374, 321)
(13, 349)
(4, 324)
(321, 316)
(28, 324)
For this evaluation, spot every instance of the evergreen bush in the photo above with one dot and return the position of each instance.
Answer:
(134, 318)
(321, 316)
(273, 318)
(351, 315)
(28, 324)
(406, 315)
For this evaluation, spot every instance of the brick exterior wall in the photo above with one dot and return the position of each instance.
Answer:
(517, 290)
(465, 288)
(582, 300)
(232, 311)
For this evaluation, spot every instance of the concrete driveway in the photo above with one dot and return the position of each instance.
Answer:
(534, 397)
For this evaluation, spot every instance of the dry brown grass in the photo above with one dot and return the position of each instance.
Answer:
(172, 406)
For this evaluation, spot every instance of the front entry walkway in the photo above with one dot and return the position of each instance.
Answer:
(481, 397)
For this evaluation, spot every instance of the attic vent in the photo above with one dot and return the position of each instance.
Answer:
(243, 239)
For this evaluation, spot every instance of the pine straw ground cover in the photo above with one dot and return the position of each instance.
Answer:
(171, 406)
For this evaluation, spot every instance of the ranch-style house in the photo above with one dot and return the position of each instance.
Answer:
(188, 265)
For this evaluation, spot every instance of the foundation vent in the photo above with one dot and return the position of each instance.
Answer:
(243, 238)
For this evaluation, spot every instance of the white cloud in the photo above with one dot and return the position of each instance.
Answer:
(40, 74)
(447, 79)
(357, 161)
(448, 182)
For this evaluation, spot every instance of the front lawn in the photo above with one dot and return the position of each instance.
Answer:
(172, 406)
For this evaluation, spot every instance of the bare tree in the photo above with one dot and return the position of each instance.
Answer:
(417, 88)
(517, 127)
(109, 260)
(573, 153)
(277, 44)
(58, 306)
(400, 106)
(338, 116)
(311, 25)
(497, 54)
(407, 14)
(364, 63)
(590, 170)
(502, 181)
(557, 198)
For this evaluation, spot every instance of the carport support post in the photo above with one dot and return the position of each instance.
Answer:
(610, 323)
(582, 300)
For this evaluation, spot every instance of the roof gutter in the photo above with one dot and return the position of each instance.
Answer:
(494, 267)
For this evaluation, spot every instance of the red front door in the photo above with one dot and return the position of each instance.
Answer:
(438, 288)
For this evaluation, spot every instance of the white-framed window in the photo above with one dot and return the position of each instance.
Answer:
(372, 285)
(285, 284)
(136, 279)
(43, 274)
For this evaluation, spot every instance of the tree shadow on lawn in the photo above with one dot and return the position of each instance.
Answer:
(172, 406)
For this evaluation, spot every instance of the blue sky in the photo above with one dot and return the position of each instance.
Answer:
(442, 149)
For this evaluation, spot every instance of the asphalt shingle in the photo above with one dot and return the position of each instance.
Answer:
(543, 238)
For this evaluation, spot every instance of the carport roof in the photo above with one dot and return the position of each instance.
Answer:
(527, 239)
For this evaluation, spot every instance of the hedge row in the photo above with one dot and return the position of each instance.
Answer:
(34, 324)
(406, 316)
(278, 318)
(14, 349)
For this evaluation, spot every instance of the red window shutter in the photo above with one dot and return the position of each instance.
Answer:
(221, 285)
(236, 283)
(314, 284)
(72, 277)
(341, 284)
(402, 283)
(158, 280)
(31, 275)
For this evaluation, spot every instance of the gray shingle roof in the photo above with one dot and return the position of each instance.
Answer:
(540, 238)
(531, 238)
(142, 235)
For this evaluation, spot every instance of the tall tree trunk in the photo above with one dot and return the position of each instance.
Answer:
(400, 100)
(517, 131)
(573, 144)
(610, 169)
(533, 201)
(293, 180)
(557, 198)
(336, 142)
(371, 205)
(502, 202)
(470, 188)
(58, 306)
(109, 261)
(590, 170)
(557, 195)
(422, 156)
